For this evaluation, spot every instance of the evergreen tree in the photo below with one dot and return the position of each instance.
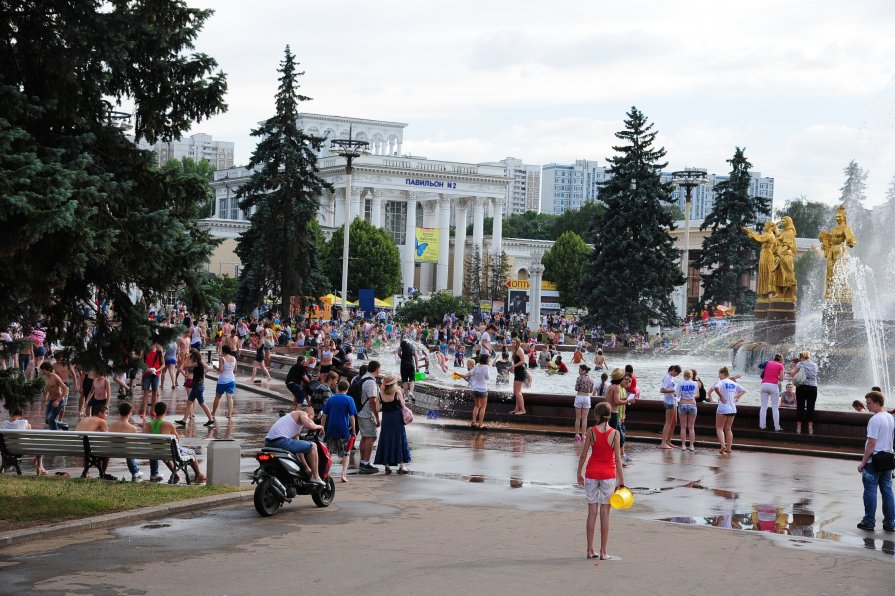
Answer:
(472, 283)
(564, 264)
(499, 269)
(728, 255)
(630, 278)
(93, 230)
(279, 253)
(853, 195)
(373, 260)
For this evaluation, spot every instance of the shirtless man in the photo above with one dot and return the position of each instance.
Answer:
(123, 425)
(183, 350)
(233, 341)
(96, 422)
(55, 393)
(157, 425)
(99, 393)
(600, 361)
(67, 373)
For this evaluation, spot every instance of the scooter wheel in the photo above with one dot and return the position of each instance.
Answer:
(266, 500)
(325, 496)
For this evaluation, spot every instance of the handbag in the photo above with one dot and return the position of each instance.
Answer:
(406, 413)
(800, 377)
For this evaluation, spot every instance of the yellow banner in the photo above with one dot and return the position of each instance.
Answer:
(427, 245)
(524, 284)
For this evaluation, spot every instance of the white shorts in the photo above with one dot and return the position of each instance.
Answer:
(582, 401)
(598, 491)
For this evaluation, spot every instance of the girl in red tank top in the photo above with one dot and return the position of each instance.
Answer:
(602, 476)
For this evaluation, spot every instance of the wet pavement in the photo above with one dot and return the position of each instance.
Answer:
(815, 502)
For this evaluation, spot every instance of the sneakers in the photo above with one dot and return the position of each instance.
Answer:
(138, 477)
(863, 526)
(578, 438)
(627, 459)
(367, 469)
(180, 422)
(889, 528)
(174, 479)
(156, 478)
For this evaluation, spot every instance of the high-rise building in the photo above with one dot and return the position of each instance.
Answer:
(524, 190)
(198, 147)
(567, 186)
(702, 198)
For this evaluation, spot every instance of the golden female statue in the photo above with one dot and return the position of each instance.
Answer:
(785, 273)
(767, 258)
(834, 243)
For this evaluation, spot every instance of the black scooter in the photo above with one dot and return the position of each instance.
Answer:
(280, 478)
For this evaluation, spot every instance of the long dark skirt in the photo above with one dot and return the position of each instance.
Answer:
(392, 448)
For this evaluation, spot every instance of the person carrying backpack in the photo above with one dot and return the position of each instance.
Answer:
(364, 390)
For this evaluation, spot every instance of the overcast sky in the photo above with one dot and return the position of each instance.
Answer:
(804, 86)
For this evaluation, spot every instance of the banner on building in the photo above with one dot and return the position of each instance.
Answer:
(426, 245)
(484, 305)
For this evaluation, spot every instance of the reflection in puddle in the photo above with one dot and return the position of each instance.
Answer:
(795, 522)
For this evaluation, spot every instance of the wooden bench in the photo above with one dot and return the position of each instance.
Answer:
(94, 447)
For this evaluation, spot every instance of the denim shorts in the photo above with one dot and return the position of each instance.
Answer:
(687, 410)
(197, 393)
(669, 406)
(292, 445)
(150, 382)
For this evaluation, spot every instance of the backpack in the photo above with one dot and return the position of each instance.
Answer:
(355, 391)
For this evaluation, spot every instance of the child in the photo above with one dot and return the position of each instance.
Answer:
(478, 383)
(503, 368)
(561, 367)
(858, 406)
(458, 357)
(340, 419)
(584, 387)
(603, 476)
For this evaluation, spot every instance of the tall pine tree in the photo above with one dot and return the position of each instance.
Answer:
(728, 255)
(630, 278)
(279, 254)
(93, 231)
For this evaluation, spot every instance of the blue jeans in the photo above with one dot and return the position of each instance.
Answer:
(873, 479)
(52, 414)
(293, 445)
(133, 467)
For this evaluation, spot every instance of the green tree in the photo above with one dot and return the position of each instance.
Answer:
(498, 272)
(433, 309)
(279, 252)
(809, 217)
(199, 170)
(853, 195)
(630, 278)
(373, 260)
(564, 264)
(728, 255)
(581, 221)
(93, 231)
(472, 277)
(810, 270)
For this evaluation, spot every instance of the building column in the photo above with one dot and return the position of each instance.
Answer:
(355, 203)
(460, 245)
(408, 265)
(376, 208)
(338, 207)
(478, 222)
(444, 242)
(535, 275)
(497, 230)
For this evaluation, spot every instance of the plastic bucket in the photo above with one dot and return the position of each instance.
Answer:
(419, 376)
(622, 498)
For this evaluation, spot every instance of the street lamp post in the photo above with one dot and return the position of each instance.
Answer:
(350, 149)
(688, 180)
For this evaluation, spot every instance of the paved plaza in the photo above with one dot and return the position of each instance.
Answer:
(494, 511)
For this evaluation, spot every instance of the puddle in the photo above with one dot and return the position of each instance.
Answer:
(155, 526)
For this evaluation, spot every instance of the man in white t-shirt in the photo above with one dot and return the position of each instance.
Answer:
(873, 467)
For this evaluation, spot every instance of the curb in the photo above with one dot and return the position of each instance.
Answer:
(121, 518)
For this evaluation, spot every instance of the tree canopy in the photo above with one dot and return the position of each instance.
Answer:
(630, 277)
(547, 226)
(728, 255)
(433, 309)
(564, 264)
(93, 231)
(279, 253)
(374, 260)
(809, 217)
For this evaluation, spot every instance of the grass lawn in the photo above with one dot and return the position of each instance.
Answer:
(27, 501)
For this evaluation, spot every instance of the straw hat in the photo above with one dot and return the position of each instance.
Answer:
(617, 375)
(389, 380)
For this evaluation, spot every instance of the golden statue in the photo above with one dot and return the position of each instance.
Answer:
(834, 243)
(767, 258)
(784, 271)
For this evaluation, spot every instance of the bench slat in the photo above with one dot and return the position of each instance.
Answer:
(71, 443)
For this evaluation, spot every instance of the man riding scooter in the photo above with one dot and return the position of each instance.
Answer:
(284, 435)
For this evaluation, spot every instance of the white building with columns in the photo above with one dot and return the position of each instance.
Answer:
(397, 193)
